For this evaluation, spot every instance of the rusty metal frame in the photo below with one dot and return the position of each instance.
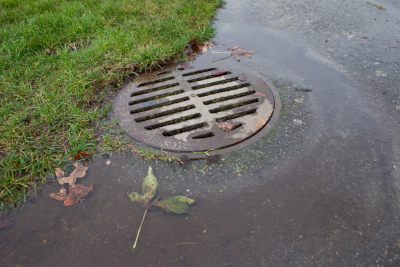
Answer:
(242, 143)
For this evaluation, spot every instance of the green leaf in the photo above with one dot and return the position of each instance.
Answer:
(134, 196)
(186, 200)
(173, 205)
(149, 186)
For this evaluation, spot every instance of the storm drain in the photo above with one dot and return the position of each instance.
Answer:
(186, 112)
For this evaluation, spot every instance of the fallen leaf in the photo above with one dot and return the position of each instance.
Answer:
(232, 47)
(259, 94)
(364, 37)
(218, 72)
(69, 201)
(189, 51)
(185, 66)
(48, 52)
(149, 188)
(165, 133)
(83, 155)
(6, 222)
(242, 77)
(178, 204)
(137, 154)
(61, 195)
(207, 46)
(79, 192)
(186, 200)
(174, 205)
(227, 126)
(193, 43)
(108, 162)
(192, 47)
(239, 53)
(79, 172)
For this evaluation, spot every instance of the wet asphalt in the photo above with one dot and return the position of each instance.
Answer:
(320, 189)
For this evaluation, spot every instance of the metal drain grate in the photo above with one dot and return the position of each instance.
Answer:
(180, 112)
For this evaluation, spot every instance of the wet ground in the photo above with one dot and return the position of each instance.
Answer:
(318, 190)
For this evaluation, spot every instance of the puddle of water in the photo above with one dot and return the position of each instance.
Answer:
(332, 203)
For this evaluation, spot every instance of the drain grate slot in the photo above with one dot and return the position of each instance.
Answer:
(165, 113)
(156, 97)
(185, 129)
(160, 105)
(153, 89)
(198, 72)
(226, 89)
(156, 81)
(236, 105)
(206, 135)
(221, 99)
(206, 77)
(174, 121)
(215, 83)
(236, 115)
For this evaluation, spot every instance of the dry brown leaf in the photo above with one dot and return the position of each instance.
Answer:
(79, 172)
(69, 201)
(218, 72)
(165, 133)
(232, 47)
(83, 155)
(242, 77)
(61, 195)
(79, 192)
(239, 53)
(206, 46)
(193, 48)
(227, 126)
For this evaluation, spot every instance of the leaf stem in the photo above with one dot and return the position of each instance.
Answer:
(83, 207)
(134, 245)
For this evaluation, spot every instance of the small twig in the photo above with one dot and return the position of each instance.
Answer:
(221, 59)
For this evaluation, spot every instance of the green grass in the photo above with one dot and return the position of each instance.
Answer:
(377, 6)
(49, 105)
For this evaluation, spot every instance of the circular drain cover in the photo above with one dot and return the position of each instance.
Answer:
(195, 110)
